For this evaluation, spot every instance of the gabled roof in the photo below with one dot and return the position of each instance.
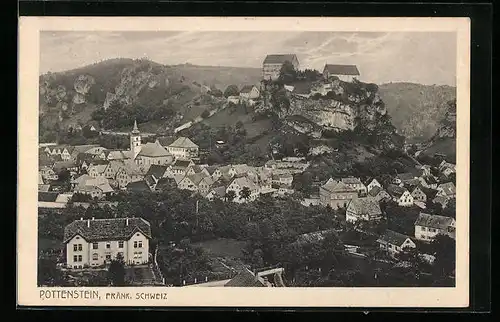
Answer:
(434, 221)
(279, 58)
(84, 148)
(448, 188)
(245, 182)
(211, 169)
(150, 180)
(247, 88)
(219, 191)
(131, 168)
(165, 140)
(107, 229)
(365, 206)
(342, 69)
(375, 191)
(156, 170)
(198, 177)
(405, 176)
(181, 164)
(393, 238)
(47, 196)
(43, 187)
(443, 201)
(183, 142)
(64, 165)
(430, 179)
(138, 186)
(313, 236)
(351, 180)
(245, 278)
(395, 191)
(153, 150)
(337, 186)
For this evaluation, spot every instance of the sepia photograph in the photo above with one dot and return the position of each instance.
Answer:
(249, 158)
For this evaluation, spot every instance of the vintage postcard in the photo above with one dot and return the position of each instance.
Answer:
(223, 161)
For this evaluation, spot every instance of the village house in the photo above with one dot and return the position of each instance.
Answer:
(447, 168)
(157, 171)
(196, 182)
(282, 179)
(428, 181)
(216, 193)
(138, 186)
(373, 183)
(129, 172)
(183, 148)
(379, 194)
(400, 195)
(48, 174)
(112, 169)
(394, 243)
(418, 194)
(237, 186)
(195, 168)
(65, 165)
(427, 226)
(249, 92)
(403, 178)
(345, 73)
(179, 167)
(233, 99)
(302, 89)
(446, 190)
(95, 187)
(356, 184)
(366, 208)
(97, 170)
(272, 64)
(53, 200)
(64, 151)
(336, 194)
(95, 242)
(441, 200)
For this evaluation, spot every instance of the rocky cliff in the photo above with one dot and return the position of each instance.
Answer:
(345, 106)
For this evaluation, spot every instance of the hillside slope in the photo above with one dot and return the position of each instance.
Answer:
(69, 98)
(416, 109)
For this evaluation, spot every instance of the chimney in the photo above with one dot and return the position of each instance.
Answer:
(88, 222)
(127, 221)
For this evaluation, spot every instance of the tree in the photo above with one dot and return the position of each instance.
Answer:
(205, 114)
(444, 247)
(116, 271)
(230, 195)
(231, 90)
(245, 193)
(288, 73)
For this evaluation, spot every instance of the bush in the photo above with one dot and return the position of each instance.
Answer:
(205, 114)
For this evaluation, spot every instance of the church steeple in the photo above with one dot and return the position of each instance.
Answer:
(136, 129)
(135, 140)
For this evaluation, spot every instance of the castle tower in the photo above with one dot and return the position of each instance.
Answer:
(135, 140)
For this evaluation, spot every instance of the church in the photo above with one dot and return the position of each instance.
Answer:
(147, 154)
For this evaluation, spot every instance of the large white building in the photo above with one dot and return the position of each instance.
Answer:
(95, 242)
(427, 226)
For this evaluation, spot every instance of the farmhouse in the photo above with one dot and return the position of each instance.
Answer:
(400, 195)
(363, 209)
(427, 226)
(394, 242)
(183, 148)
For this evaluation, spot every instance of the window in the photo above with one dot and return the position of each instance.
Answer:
(120, 244)
(75, 258)
(95, 245)
(80, 247)
(79, 258)
(108, 245)
(140, 244)
(108, 257)
(135, 244)
(95, 256)
(75, 247)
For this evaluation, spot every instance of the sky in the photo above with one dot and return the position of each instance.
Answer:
(382, 57)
